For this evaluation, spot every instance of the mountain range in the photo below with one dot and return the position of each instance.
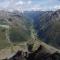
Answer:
(13, 28)
(31, 35)
(47, 25)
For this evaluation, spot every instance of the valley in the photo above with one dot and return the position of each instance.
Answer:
(17, 31)
(46, 24)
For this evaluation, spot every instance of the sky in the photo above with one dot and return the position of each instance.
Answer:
(23, 5)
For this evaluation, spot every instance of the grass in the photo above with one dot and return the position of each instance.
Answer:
(3, 41)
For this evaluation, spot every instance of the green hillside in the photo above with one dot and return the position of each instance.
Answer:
(17, 27)
(3, 41)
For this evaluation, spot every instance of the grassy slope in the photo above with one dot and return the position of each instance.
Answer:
(3, 41)
(19, 29)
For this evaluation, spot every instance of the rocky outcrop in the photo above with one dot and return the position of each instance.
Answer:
(39, 54)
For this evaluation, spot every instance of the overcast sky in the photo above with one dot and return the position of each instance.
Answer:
(29, 4)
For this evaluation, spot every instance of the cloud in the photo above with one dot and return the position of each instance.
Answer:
(24, 2)
(29, 2)
(20, 5)
(23, 5)
(20, 2)
(57, 7)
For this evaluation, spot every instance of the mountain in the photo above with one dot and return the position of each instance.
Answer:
(15, 34)
(47, 25)
(13, 28)
(54, 33)
(41, 51)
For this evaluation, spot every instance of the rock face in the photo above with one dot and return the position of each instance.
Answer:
(39, 54)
